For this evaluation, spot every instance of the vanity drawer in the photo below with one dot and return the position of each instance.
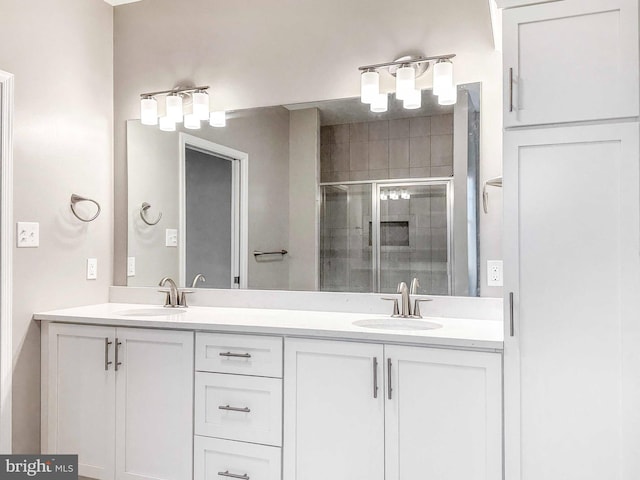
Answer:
(239, 354)
(235, 407)
(216, 459)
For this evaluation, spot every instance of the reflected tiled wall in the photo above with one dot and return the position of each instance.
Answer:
(404, 148)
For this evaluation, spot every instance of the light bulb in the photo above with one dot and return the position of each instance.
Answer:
(369, 86)
(167, 124)
(174, 107)
(380, 104)
(201, 104)
(449, 96)
(218, 118)
(405, 81)
(413, 100)
(192, 122)
(148, 111)
(442, 76)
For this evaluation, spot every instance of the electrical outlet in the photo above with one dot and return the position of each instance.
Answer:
(28, 234)
(494, 273)
(131, 266)
(92, 268)
(171, 238)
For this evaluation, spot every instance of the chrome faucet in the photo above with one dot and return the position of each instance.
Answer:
(172, 295)
(199, 277)
(403, 290)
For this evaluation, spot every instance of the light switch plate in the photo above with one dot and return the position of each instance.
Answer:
(28, 234)
(494, 273)
(131, 266)
(171, 237)
(92, 268)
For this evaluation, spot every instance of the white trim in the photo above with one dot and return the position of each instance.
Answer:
(496, 25)
(6, 251)
(239, 212)
(115, 3)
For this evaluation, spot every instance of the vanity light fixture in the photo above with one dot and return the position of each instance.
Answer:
(406, 70)
(393, 195)
(404, 194)
(383, 195)
(195, 100)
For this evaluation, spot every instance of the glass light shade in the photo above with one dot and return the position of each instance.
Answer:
(442, 77)
(413, 100)
(405, 195)
(201, 105)
(405, 82)
(380, 103)
(149, 111)
(449, 96)
(167, 124)
(192, 122)
(174, 108)
(369, 86)
(218, 118)
(383, 196)
(393, 195)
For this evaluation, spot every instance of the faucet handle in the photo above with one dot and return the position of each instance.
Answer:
(396, 309)
(167, 301)
(416, 306)
(182, 297)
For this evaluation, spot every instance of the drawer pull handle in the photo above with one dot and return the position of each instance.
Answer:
(239, 355)
(234, 409)
(233, 475)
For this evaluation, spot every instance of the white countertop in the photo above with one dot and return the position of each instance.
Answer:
(455, 332)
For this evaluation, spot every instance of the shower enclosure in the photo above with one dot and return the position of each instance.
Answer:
(376, 234)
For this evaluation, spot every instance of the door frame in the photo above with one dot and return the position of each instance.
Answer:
(6, 257)
(240, 206)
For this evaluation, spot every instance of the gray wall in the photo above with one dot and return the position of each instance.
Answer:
(211, 41)
(61, 52)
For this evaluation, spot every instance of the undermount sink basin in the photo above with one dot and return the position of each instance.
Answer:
(151, 312)
(397, 324)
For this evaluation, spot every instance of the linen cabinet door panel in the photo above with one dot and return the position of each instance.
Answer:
(216, 459)
(154, 405)
(443, 414)
(247, 409)
(81, 397)
(570, 61)
(571, 360)
(334, 416)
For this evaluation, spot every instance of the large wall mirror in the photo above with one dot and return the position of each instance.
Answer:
(319, 196)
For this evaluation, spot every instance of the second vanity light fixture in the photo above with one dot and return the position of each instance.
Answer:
(175, 111)
(406, 70)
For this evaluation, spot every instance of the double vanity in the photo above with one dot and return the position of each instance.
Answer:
(145, 392)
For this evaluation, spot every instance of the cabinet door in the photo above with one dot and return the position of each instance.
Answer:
(570, 61)
(520, 3)
(154, 405)
(334, 417)
(571, 353)
(81, 397)
(443, 414)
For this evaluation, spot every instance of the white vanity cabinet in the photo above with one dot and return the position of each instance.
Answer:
(569, 61)
(129, 414)
(434, 414)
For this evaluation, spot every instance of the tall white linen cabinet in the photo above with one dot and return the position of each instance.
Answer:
(572, 248)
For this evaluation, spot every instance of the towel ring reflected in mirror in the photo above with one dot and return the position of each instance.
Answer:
(143, 215)
(77, 199)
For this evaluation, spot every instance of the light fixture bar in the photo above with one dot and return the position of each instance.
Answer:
(408, 62)
(175, 90)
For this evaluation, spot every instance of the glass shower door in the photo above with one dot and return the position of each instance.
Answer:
(345, 238)
(414, 236)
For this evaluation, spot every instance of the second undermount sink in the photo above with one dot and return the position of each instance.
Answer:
(151, 312)
(397, 324)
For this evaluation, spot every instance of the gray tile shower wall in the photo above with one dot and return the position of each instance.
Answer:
(416, 147)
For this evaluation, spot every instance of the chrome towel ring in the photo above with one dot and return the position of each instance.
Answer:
(143, 215)
(76, 199)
